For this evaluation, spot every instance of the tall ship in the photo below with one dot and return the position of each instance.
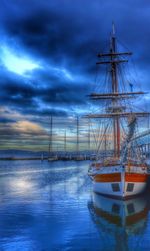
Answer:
(124, 172)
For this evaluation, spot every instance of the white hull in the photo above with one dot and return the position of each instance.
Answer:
(106, 189)
(119, 183)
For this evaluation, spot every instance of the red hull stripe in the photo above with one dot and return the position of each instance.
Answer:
(116, 177)
(136, 177)
(109, 177)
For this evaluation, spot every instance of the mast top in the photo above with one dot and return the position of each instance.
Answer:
(113, 29)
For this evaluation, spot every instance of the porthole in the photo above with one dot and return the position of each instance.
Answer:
(115, 187)
(130, 187)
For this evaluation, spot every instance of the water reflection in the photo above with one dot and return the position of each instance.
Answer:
(39, 206)
(118, 219)
(43, 206)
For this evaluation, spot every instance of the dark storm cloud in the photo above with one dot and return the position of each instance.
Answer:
(55, 34)
(41, 112)
(15, 92)
(63, 29)
(6, 120)
(70, 34)
(27, 96)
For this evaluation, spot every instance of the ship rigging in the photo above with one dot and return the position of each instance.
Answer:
(126, 173)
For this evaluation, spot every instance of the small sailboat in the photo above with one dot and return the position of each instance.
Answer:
(124, 173)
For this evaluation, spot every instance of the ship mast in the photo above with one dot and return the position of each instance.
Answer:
(115, 111)
(116, 125)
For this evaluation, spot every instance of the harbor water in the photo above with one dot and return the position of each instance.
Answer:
(49, 206)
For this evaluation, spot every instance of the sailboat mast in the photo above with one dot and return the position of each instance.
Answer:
(51, 136)
(116, 124)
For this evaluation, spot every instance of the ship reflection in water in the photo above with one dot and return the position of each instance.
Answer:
(120, 219)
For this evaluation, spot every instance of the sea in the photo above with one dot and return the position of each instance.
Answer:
(50, 206)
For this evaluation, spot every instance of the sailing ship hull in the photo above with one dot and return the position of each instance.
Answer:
(121, 184)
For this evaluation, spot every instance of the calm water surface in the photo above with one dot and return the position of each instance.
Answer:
(49, 207)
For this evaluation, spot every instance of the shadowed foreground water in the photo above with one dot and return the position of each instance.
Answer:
(49, 207)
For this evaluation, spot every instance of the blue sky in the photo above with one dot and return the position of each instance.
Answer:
(47, 56)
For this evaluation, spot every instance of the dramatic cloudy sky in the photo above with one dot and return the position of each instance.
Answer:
(47, 59)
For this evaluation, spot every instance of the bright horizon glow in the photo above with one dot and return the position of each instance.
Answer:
(15, 63)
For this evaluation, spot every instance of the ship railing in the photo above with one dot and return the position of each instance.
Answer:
(136, 169)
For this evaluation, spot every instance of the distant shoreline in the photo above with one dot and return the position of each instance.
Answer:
(76, 158)
(22, 158)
